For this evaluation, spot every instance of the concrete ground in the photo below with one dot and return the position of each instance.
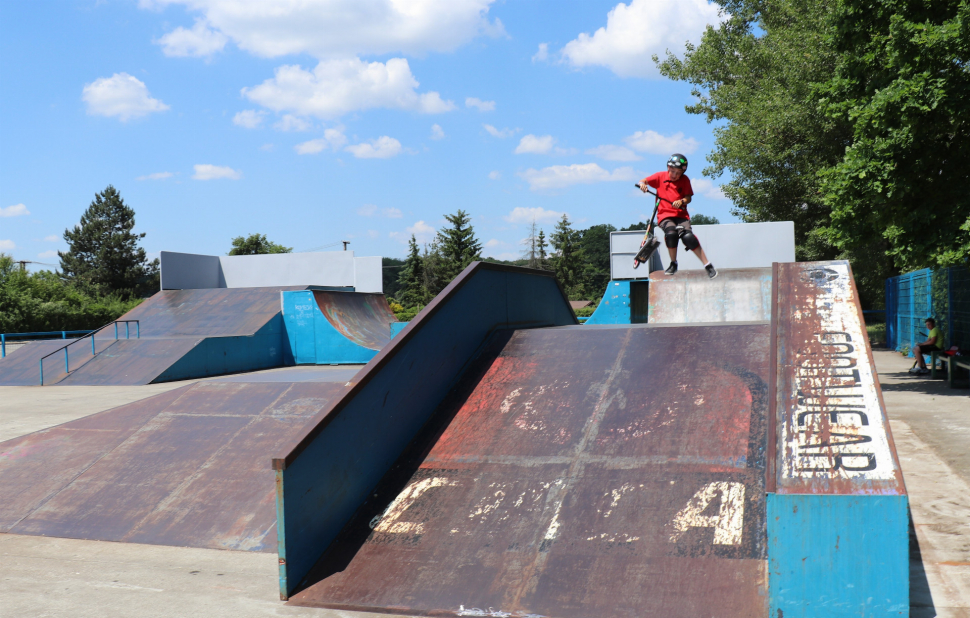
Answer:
(41, 577)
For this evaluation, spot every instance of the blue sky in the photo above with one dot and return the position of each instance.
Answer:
(316, 122)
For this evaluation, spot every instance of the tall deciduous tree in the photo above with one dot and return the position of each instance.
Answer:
(903, 83)
(411, 291)
(457, 245)
(103, 255)
(256, 244)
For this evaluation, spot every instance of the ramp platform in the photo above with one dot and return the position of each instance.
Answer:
(186, 467)
(580, 474)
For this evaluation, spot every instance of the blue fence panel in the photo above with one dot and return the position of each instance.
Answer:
(910, 299)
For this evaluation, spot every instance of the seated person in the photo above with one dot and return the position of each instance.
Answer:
(934, 341)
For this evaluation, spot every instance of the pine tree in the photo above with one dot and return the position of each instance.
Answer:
(457, 245)
(103, 255)
(542, 259)
(411, 280)
(432, 267)
(567, 262)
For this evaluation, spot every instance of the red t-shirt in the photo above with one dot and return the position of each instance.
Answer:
(672, 191)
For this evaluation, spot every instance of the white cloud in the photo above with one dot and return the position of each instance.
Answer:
(52, 238)
(437, 132)
(215, 172)
(248, 118)
(655, 143)
(495, 243)
(494, 175)
(482, 106)
(609, 152)
(423, 233)
(543, 54)
(17, 210)
(334, 139)
(336, 87)
(289, 123)
(633, 34)
(120, 95)
(156, 176)
(7, 245)
(383, 147)
(330, 28)
(373, 234)
(521, 214)
(47, 254)
(708, 189)
(543, 144)
(267, 147)
(370, 210)
(200, 41)
(560, 176)
(500, 133)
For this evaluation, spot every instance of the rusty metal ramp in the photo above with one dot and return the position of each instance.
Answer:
(186, 467)
(575, 471)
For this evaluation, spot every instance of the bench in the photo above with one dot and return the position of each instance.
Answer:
(952, 364)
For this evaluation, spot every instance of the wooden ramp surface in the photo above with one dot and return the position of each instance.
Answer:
(188, 467)
(574, 472)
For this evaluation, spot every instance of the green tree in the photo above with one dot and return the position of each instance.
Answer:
(457, 245)
(433, 269)
(700, 219)
(594, 243)
(542, 258)
(903, 84)
(103, 255)
(411, 290)
(256, 244)
(567, 260)
(43, 301)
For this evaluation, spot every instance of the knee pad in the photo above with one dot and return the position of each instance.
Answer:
(690, 241)
(670, 237)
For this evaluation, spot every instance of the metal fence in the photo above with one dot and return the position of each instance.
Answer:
(942, 294)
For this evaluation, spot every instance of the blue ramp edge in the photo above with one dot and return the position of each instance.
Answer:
(330, 471)
(312, 339)
(624, 302)
(838, 555)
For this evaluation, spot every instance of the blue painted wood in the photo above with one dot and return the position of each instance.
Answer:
(331, 471)
(838, 556)
(312, 338)
(397, 327)
(615, 306)
(221, 355)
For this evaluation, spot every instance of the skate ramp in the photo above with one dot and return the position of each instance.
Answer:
(575, 471)
(180, 334)
(735, 295)
(186, 467)
(331, 328)
(600, 470)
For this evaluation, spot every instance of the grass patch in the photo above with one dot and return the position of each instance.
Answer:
(877, 334)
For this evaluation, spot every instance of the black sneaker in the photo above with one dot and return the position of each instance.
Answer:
(711, 272)
(672, 269)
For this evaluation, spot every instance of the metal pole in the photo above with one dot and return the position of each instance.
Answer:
(138, 330)
(92, 344)
(116, 331)
(67, 369)
(3, 345)
(42, 372)
(63, 334)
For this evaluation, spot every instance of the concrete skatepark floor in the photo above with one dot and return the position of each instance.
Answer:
(66, 577)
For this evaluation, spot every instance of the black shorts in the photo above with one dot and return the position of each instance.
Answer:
(674, 222)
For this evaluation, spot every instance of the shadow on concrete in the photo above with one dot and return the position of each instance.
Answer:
(921, 384)
(920, 598)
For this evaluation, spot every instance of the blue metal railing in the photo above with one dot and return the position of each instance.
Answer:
(91, 334)
(50, 333)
